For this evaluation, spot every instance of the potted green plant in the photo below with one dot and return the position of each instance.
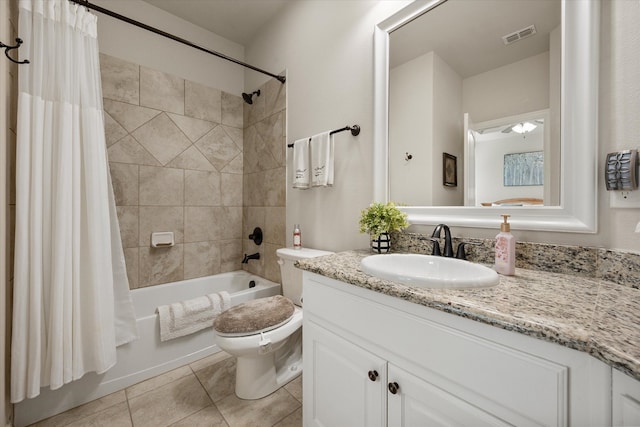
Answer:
(380, 219)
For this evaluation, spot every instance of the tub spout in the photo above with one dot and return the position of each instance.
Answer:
(246, 258)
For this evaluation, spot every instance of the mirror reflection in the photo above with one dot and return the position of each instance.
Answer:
(475, 85)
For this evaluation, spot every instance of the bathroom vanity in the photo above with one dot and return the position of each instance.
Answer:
(522, 353)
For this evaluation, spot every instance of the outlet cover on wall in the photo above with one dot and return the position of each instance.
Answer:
(624, 199)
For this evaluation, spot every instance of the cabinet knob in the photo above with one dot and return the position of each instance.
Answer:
(373, 375)
(394, 387)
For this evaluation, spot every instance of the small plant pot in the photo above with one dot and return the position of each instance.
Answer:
(381, 245)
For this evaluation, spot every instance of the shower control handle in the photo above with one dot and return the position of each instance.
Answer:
(373, 375)
(394, 387)
(256, 236)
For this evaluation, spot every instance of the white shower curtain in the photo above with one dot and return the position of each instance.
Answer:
(71, 304)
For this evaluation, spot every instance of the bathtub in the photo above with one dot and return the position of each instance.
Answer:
(148, 356)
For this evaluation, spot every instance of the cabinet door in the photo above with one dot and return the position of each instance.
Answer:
(626, 400)
(413, 401)
(344, 385)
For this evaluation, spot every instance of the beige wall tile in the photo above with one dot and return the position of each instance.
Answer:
(272, 132)
(201, 223)
(120, 79)
(201, 259)
(131, 260)
(161, 218)
(236, 135)
(271, 268)
(202, 102)
(113, 131)
(124, 178)
(275, 97)
(253, 217)
(231, 189)
(275, 191)
(235, 166)
(275, 223)
(128, 150)
(201, 188)
(254, 266)
(160, 265)
(230, 255)
(130, 117)
(191, 158)
(162, 138)
(128, 221)
(255, 112)
(194, 129)
(161, 91)
(232, 110)
(218, 147)
(161, 186)
(230, 220)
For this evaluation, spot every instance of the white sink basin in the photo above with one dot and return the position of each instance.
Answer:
(429, 271)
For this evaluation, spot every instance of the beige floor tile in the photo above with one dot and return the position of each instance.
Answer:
(292, 420)
(84, 411)
(208, 417)
(219, 379)
(159, 381)
(169, 403)
(256, 413)
(295, 388)
(209, 360)
(115, 416)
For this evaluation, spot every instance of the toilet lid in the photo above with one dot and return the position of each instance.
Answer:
(253, 317)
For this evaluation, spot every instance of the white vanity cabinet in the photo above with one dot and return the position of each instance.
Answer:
(626, 400)
(375, 360)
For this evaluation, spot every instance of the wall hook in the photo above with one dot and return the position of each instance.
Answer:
(7, 48)
(408, 156)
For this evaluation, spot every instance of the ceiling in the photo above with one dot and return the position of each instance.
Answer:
(235, 20)
(466, 34)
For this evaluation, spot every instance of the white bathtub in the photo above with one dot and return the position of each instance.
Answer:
(147, 356)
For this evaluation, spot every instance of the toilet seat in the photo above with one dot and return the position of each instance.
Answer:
(254, 317)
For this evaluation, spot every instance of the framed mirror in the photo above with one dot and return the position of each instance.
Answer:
(565, 196)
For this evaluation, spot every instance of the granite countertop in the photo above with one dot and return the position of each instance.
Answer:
(591, 315)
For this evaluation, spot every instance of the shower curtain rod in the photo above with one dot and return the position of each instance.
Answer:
(139, 24)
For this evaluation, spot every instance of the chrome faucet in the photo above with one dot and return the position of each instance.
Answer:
(246, 258)
(435, 238)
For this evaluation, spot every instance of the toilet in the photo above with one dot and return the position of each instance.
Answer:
(265, 335)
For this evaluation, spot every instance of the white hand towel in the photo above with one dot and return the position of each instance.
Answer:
(301, 164)
(321, 147)
(186, 317)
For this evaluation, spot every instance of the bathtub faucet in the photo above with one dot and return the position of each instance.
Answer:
(246, 258)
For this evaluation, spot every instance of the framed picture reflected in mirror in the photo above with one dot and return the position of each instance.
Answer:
(449, 170)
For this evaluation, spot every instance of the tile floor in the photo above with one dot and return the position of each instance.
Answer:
(198, 394)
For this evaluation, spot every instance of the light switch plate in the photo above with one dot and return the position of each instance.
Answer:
(624, 199)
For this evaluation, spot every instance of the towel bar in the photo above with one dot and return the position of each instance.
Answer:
(355, 131)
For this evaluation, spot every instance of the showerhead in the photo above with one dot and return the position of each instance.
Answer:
(248, 97)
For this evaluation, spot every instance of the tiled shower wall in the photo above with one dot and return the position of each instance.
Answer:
(264, 177)
(175, 151)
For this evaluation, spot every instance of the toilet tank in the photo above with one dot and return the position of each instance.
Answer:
(292, 276)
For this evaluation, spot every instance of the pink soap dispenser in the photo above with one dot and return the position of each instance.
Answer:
(505, 249)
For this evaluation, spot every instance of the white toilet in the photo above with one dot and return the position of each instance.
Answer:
(265, 335)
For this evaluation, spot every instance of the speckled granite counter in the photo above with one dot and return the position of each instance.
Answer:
(591, 315)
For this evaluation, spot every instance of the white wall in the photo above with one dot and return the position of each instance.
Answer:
(410, 131)
(125, 41)
(327, 50)
(447, 132)
(327, 47)
(490, 154)
(516, 88)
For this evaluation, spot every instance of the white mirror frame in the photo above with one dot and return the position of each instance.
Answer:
(579, 130)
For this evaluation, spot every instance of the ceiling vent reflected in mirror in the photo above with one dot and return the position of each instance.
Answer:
(519, 35)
